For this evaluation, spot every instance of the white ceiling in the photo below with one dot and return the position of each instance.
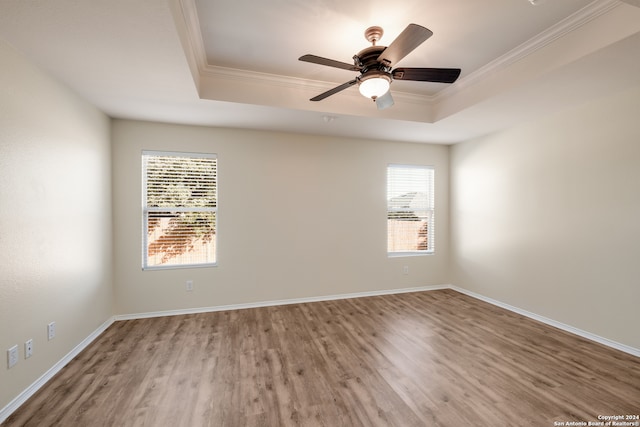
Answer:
(234, 62)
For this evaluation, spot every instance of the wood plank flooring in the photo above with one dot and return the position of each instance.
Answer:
(435, 358)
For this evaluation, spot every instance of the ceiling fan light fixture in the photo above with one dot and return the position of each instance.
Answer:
(375, 65)
(374, 85)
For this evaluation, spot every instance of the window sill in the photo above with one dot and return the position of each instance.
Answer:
(176, 267)
(408, 254)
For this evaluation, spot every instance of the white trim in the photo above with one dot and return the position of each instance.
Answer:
(33, 388)
(410, 253)
(635, 3)
(185, 154)
(567, 328)
(571, 23)
(196, 50)
(277, 302)
(276, 80)
(179, 266)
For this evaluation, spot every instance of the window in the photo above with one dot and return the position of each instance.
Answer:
(179, 205)
(410, 226)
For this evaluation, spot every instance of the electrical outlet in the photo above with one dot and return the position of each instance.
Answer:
(51, 331)
(28, 348)
(189, 285)
(12, 356)
(405, 269)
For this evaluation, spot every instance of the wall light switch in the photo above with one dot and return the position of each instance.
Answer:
(12, 356)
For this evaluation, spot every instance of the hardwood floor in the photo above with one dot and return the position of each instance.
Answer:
(435, 358)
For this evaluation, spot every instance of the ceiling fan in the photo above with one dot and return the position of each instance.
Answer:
(375, 65)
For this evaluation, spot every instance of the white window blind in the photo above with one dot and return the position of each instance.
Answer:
(410, 210)
(180, 203)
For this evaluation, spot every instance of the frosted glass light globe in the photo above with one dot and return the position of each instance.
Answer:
(374, 87)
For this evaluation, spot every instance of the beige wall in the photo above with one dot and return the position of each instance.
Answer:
(300, 216)
(546, 217)
(55, 220)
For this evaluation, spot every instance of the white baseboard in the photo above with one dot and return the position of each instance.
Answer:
(277, 302)
(568, 328)
(33, 388)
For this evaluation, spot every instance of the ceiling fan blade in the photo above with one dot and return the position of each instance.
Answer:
(384, 101)
(438, 75)
(328, 62)
(334, 90)
(412, 37)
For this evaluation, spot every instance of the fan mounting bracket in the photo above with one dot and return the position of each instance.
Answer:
(373, 34)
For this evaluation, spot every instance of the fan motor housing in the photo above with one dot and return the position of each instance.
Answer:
(368, 59)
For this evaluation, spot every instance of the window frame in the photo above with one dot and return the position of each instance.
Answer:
(146, 209)
(429, 210)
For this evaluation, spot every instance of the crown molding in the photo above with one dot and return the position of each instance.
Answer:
(571, 23)
(194, 42)
(296, 83)
(635, 3)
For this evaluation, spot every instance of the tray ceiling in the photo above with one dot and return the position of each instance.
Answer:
(234, 62)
